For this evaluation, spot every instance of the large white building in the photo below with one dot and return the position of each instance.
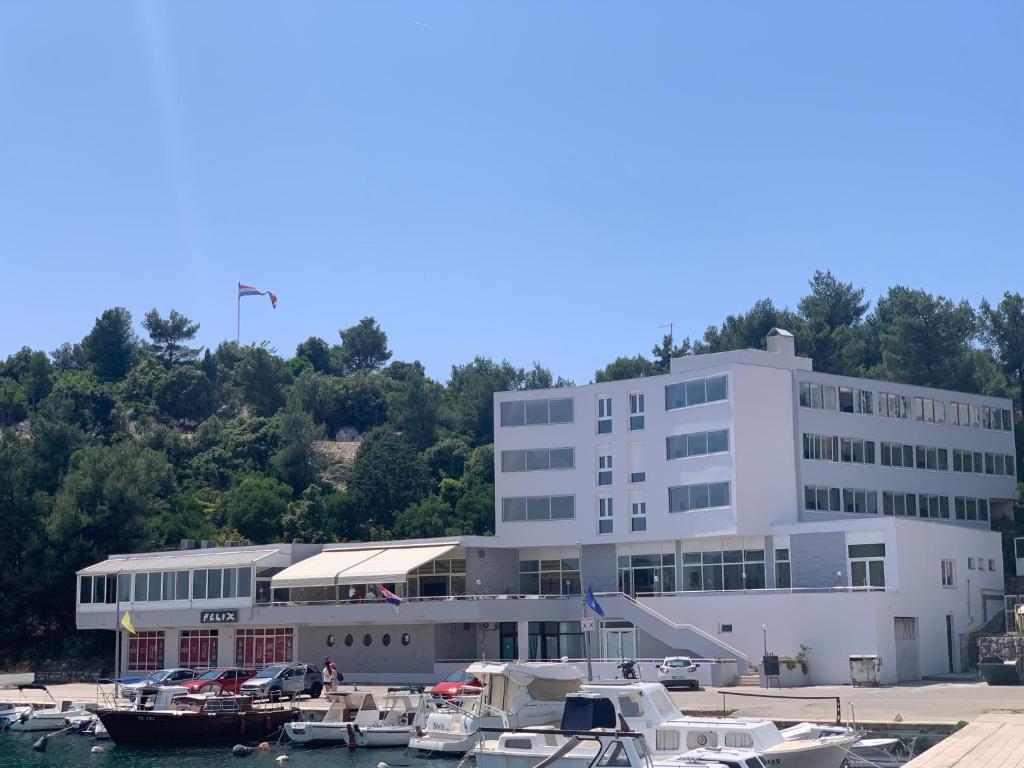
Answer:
(740, 500)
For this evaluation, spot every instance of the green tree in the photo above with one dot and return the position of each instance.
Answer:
(297, 462)
(261, 377)
(1002, 330)
(413, 402)
(423, 519)
(364, 346)
(447, 457)
(387, 476)
(627, 368)
(256, 507)
(318, 353)
(186, 393)
(362, 402)
(112, 347)
(33, 372)
(169, 336)
(664, 352)
(921, 339)
(13, 403)
(747, 330)
(469, 396)
(832, 314)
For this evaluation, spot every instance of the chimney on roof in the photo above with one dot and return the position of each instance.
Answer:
(781, 342)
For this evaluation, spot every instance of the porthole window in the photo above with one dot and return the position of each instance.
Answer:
(386, 640)
(406, 639)
(367, 640)
(348, 640)
(330, 641)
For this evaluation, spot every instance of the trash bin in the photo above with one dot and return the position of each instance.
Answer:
(864, 670)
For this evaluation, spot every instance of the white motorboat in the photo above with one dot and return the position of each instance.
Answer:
(10, 710)
(592, 733)
(646, 708)
(514, 695)
(354, 719)
(864, 752)
(56, 718)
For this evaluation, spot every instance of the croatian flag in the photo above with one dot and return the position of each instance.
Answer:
(390, 596)
(251, 290)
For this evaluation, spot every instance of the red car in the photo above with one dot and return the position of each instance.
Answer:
(459, 683)
(220, 680)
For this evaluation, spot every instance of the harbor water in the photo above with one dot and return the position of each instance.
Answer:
(73, 751)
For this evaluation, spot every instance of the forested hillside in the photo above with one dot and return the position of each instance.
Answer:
(120, 442)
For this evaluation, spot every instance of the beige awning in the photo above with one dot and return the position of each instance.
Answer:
(321, 570)
(179, 561)
(358, 566)
(392, 565)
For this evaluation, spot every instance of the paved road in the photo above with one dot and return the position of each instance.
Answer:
(932, 703)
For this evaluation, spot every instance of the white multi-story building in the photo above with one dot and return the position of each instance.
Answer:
(739, 502)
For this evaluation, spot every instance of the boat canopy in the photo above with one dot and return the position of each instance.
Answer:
(525, 673)
(369, 565)
(181, 561)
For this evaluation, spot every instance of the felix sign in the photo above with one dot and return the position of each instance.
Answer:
(218, 617)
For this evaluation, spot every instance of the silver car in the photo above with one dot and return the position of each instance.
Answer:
(160, 677)
(280, 681)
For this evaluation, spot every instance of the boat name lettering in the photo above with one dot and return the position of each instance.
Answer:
(218, 617)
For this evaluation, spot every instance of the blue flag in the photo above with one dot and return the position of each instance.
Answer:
(593, 604)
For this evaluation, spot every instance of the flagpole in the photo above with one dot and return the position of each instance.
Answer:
(238, 313)
(583, 598)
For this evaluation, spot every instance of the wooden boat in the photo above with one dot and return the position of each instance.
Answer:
(196, 719)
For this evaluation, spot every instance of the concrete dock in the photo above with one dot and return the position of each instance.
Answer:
(991, 740)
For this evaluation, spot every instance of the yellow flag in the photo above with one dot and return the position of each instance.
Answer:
(126, 622)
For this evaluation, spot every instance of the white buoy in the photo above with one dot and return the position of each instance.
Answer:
(282, 758)
(97, 749)
(264, 746)
(382, 764)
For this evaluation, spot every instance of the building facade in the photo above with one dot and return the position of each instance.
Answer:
(740, 502)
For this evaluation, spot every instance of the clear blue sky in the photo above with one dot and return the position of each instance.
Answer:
(533, 180)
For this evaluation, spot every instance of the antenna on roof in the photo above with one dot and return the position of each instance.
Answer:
(670, 326)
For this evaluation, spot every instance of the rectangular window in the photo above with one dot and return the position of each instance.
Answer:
(124, 587)
(690, 393)
(686, 498)
(696, 444)
(518, 413)
(819, 498)
(636, 411)
(638, 516)
(637, 477)
(85, 590)
(604, 415)
(537, 459)
(947, 573)
(782, 571)
(198, 585)
(214, 583)
(604, 470)
(605, 520)
(155, 582)
(519, 508)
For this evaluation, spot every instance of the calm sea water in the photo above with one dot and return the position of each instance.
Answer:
(73, 751)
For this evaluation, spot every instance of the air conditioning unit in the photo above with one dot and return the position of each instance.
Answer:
(187, 544)
(232, 543)
(206, 544)
(486, 625)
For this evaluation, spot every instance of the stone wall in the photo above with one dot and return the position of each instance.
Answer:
(1006, 647)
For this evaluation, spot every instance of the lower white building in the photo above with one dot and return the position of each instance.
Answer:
(738, 504)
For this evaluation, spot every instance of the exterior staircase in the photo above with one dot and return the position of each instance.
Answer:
(672, 634)
(748, 680)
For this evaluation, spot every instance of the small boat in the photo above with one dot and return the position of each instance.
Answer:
(10, 710)
(53, 718)
(193, 719)
(592, 733)
(864, 752)
(646, 708)
(354, 719)
(514, 695)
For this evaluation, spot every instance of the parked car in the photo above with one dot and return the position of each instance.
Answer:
(458, 683)
(280, 681)
(220, 680)
(678, 670)
(174, 676)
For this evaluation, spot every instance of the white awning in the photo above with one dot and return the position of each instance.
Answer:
(392, 565)
(321, 570)
(358, 566)
(178, 561)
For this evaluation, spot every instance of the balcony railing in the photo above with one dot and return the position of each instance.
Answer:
(437, 599)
